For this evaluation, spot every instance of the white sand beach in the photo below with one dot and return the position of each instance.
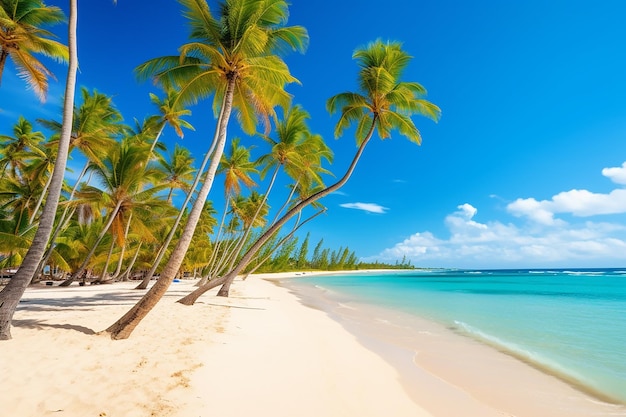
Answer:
(261, 352)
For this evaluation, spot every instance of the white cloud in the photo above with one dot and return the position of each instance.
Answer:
(472, 244)
(369, 207)
(616, 174)
(545, 241)
(581, 203)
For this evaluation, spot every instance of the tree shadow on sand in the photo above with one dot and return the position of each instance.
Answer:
(40, 325)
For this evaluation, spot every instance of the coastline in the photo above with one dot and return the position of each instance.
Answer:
(482, 378)
(264, 351)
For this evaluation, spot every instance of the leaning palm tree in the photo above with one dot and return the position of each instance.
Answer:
(95, 124)
(383, 104)
(123, 185)
(22, 35)
(237, 169)
(232, 56)
(13, 291)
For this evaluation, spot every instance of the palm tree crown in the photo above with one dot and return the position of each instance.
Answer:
(240, 44)
(21, 36)
(383, 102)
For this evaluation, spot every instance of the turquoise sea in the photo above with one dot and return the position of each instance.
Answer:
(571, 323)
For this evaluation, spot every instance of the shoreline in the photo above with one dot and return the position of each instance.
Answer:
(393, 334)
(264, 351)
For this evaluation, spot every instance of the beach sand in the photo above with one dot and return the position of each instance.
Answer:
(261, 352)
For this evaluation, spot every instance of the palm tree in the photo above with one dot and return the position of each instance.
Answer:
(383, 104)
(22, 36)
(232, 56)
(95, 124)
(125, 186)
(237, 169)
(178, 170)
(13, 291)
(18, 150)
(299, 153)
(171, 113)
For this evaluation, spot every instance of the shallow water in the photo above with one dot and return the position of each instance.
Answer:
(571, 323)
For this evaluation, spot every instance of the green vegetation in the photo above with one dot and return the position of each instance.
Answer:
(294, 257)
(118, 220)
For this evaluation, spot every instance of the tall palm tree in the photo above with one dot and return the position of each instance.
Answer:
(22, 35)
(13, 291)
(383, 103)
(299, 153)
(237, 169)
(95, 124)
(124, 186)
(232, 56)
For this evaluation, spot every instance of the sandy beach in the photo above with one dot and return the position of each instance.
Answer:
(261, 352)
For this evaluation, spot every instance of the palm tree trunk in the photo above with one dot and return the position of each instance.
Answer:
(83, 266)
(217, 243)
(126, 274)
(103, 274)
(118, 269)
(144, 284)
(50, 249)
(40, 200)
(245, 259)
(13, 291)
(154, 142)
(226, 286)
(63, 220)
(122, 328)
(244, 238)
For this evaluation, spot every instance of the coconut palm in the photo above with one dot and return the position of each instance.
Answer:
(95, 124)
(178, 170)
(298, 152)
(232, 56)
(383, 103)
(12, 292)
(237, 169)
(125, 186)
(171, 112)
(22, 35)
(17, 151)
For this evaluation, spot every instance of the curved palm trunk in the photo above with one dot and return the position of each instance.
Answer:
(103, 233)
(51, 244)
(247, 257)
(204, 279)
(118, 269)
(63, 220)
(144, 284)
(13, 291)
(40, 201)
(122, 328)
(244, 238)
(226, 286)
(103, 274)
(154, 142)
(125, 276)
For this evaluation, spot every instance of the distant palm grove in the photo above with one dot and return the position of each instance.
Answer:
(137, 209)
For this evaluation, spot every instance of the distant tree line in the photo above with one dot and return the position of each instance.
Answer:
(293, 256)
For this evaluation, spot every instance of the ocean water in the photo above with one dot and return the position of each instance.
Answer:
(570, 323)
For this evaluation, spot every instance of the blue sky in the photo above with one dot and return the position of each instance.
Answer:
(524, 169)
